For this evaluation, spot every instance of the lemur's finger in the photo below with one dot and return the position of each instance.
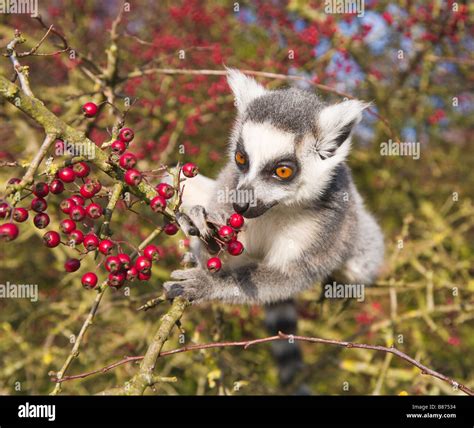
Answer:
(198, 216)
(189, 259)
(184, 274)
(186, 224)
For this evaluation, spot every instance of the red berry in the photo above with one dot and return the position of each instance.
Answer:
(13, 181)
(87, 190)
(67, 226)
(235, 248)
(89, 280)
(20, 215)
(40, 189)
(4, 209)
(165, 190)
(91, 242)
(95, 183)
(67, 175)
(94, 210)
(125, 260)
(142, 264)
(132, 273)
(118, 146)
(152, 253)
(106, 246)
(236, 221)
(128, 160)
(144, 276)
(78, 200)
(67, 205)
(77, 213)
(56, 187)
(133, 177)
(190, 169)
(158, 204)
(72, 265)
(126, 135)
(170, 229)
(41, 220)
(76, 236)
(8, 232)
(226, 233)
(39, 205)
(214, 264)
(51, 239)
(116, 279)
(81, 169)
(113, 264)
(90, 109)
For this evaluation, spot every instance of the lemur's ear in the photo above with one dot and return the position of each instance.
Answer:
(335, 124)
(245, 88)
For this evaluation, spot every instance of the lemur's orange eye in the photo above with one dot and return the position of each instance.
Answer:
(284, 172)
(240, 158)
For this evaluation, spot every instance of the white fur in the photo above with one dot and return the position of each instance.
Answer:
(245, 89)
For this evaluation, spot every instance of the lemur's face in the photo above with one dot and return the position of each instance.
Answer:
(285, 144)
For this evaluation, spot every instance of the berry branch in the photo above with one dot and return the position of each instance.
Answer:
(281, 336)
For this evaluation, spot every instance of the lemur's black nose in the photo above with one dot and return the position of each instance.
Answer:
(241, 207)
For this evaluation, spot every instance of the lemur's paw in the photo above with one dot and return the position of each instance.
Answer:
(198, 216)
(189, 260)
(192, 284)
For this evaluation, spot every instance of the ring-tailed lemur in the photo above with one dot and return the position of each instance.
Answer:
(305, 220)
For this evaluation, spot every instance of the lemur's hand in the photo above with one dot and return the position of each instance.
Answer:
(198, 222)
(193, 284)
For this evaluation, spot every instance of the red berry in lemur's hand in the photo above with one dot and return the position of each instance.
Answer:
(72, 265)
(8, 232)
(78, 200)
(190, 169)
(170, 229)
(152, 253)
(56, 187)
(226, 233)
(81, 169)
(113, 264)
(40, 189)
(77, 213)
(39, 205)
(236, 221)
(214, 264)
(125, 260)
(158, 204)
(91, 242)
(144, 276)
(41, 220)
(67, 226)
(90, 109)
(142, 264)
(235, 248)
(126, 135)
(165, 190)
(20, 215)
(89, 280)
(66, 205)
(76, 236)
(118, 147)
(127, 160)
(133, 177)
(132, 273)
(116, 279)
(67, 175)
(106, 246)
(51, 239)
(4, 209)
(94, 211)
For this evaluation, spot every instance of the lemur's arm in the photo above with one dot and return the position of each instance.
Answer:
(252, 284)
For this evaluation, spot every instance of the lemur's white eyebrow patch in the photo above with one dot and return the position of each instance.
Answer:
(264, 142)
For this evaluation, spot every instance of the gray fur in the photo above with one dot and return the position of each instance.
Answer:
(316, 224)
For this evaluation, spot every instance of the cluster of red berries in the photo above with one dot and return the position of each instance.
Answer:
(226, 237)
